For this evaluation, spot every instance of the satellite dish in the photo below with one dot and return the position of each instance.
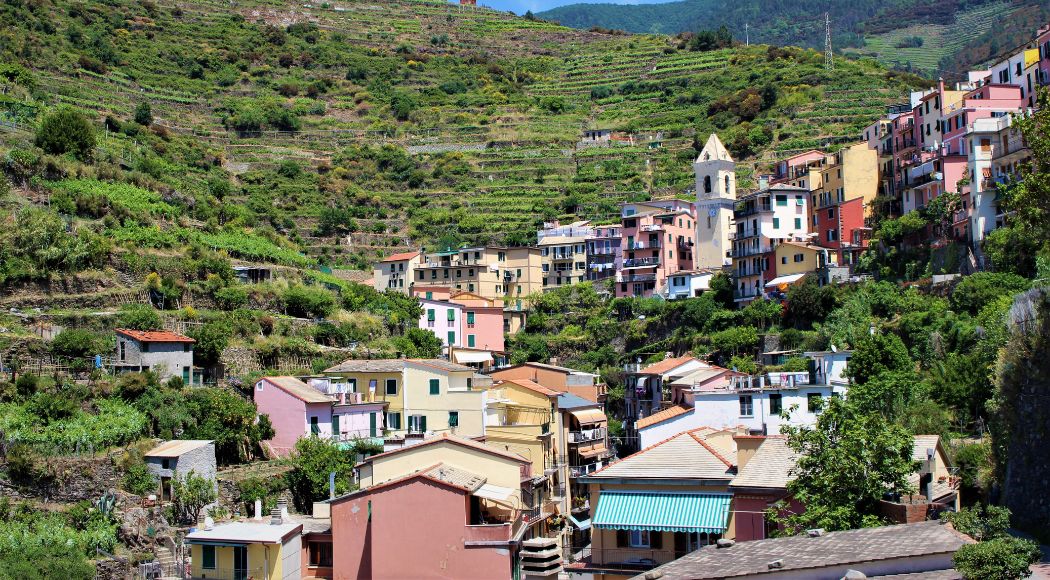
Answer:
(833, 349)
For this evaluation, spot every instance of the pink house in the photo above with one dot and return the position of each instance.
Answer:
(295, 408)
(797, 166)
(444, 319)
(981, 103)
(657, 241)
(482, 321)
(378, 532)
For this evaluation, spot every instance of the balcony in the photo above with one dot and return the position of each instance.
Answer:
(582, 470)
(482, 533)
(769, 381)
(563, 256)
(652, 228)
(586, 435)
(641, 262)
(229, 573)
(637, 278)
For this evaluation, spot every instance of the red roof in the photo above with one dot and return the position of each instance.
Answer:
(154, 335)
(533, 386)
(401, 256)
(665, 366)
(445, 437)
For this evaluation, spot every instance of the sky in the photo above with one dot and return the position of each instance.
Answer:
(520, 6)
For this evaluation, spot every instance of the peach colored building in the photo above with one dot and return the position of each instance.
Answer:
(482, 321)
(657, 240)
(561, 379)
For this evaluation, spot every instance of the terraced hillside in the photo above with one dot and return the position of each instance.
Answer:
(301, 134)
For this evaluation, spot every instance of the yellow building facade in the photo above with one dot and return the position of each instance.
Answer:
(238, 550)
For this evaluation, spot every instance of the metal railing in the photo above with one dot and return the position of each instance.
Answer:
(586, 435)
(229, 574)
(641, 262)
(638, 278)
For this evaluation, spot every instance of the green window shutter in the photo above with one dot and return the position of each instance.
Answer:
(435, 387)
(470, 318)
(798, 223)
(430, 315)
(782, 200)
(371, 424)
(335, 425)
(470, 340)
(423, 423)
(451, 315)
(430, 295)
(208, 555)
(453, 418)
(451, 337)
(776, 222)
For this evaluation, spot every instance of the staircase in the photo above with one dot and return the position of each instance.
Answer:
(169, 568)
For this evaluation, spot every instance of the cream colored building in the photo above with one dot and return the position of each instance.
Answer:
(715, 196)
(423, 396)
(395, 272)
(563, 253)
(496, 273)
(850, 173)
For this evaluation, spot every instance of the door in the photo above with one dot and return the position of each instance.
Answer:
(185, 375)
(372, 425)
(240, 562)
(165, 489)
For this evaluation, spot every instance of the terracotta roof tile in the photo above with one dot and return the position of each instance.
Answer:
(154, 335)
(660, 417)
(533, 386)
(667, 365)
(401, 256)
(683, 456)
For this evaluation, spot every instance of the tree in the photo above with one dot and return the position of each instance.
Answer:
(212, 339)
(307, 302)
(144, 114)
(732, 340)
(138, 317)
(423, 343)
(1004, 558)
(808, 303)
(981, 522)
(66, 131)
(761, 313)
(138, 479)
(876, 354)
(976, 291)
(847, 462)
(889, 393)
(313, 459)
(190, 494)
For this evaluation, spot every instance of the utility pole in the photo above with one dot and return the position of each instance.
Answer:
(829, 63)
(747, 37)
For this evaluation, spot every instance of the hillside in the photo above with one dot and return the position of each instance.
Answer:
(950, 32)
(303, 136)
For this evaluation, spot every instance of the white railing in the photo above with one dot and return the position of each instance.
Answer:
(586, 435)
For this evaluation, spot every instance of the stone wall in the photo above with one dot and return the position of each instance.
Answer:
(68, 479)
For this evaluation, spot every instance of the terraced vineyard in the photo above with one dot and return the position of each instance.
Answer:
(351, 130)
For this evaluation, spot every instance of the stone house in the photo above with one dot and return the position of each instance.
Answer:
(179, 456)
(169, 354)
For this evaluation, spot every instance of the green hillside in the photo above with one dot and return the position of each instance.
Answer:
(950, 33)
(309, 136)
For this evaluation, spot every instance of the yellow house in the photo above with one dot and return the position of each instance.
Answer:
(852, 172)
(240, 550)
(662, 502)
(798, 258)
(520, 418)
(423, 395)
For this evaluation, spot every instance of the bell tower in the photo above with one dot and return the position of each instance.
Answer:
(715, 173)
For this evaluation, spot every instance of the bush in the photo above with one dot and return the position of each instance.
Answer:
(138, 317)
(306, 302)
(66, 131)
(1002, 559)
(314, 458)
(231, 297)
(139, 480)
(144, 114)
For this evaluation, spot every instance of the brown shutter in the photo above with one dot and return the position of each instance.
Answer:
(622, 538)
(656, 540)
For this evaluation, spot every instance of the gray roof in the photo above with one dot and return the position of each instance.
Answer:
(922, 443)
(834, 552)
(299, 389)
(568, 401)
(770, 467)
(177, 447)
(684, 456)
(951, 574)
(551, 367)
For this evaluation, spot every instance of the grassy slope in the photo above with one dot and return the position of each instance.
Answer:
(526, 95)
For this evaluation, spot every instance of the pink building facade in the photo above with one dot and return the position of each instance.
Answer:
(443, 319)
(465, 321)
(295, 410)
(358, 420)
(657, 241)
(378, 533)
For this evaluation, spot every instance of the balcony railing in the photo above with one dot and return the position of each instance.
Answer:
(581, 470)
(637, 278)
(770, 381)
(587, 435)
(644, 245)
(500, 532)
(641, 262)
(652, 228)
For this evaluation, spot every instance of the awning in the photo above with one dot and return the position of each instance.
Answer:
(584, 525)
(471, 357)
(789, 279)
(589, 416)
(494, 492)
(662, 511)
(593, 452)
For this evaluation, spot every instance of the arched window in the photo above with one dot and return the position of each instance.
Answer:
(727, 185)
(707, 184)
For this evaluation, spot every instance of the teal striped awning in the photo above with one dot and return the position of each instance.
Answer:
(662, 511)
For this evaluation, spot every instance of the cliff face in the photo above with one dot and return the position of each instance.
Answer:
(1022, 433)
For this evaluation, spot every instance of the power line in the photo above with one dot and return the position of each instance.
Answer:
(829, 63)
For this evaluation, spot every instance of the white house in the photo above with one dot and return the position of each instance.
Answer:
(829, 366)
(166, 353)
(444, 319)
(755, 402)
(687, 284)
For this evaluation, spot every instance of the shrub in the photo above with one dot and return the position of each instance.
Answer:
(1002, 559)
(306, 302)
(139, 480)
(66, 131)
(138, 317)
(190, 494)
(231, 297)
(314, 458)
(144, 114)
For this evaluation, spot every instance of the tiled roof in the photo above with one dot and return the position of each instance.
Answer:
(177, 447)
(440, 364)
(834, 550)
(533, 386)
(549, 367)
(922, 443)
(445, 437)
(455, 476)
(400, 257)
(298, 389)
(684, 456)
(666, 365)
(770, 467)
(699, 376)
(660, 417)
(154, 335)
(394, 365)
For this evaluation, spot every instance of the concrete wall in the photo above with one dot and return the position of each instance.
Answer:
(355, 421)
(397, 276)
(167, 359)
(380, 535)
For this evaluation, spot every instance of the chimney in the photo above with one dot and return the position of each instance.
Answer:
(258, 509)
(282, 504)
(275, 517)
(746, 447)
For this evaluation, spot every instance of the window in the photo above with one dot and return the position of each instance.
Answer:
(799, 258)
(186, 347)
(165, 463)
(776, 404)
(314, 427)
(123, 350)
(470, 340)
(727, 184)
(351, 385)
(639, 539)
(831, 213)
(417, 423)
(453, 418)
(470, 383)
(782, 200)
(470, 319)
(784, 260)
(144, 347)
(747, 407)
(335, 425)
(435, 387)
(798, 223)
(776, 222)
(321, 554)
(393, 421)
(814, 402)
(208, 555)
(430, 315)
(452, 337)
(501, 256)
(430, 295)
(707, 184)
(391, 386)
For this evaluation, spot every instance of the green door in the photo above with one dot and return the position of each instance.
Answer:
(372, 425)
(185, 375)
